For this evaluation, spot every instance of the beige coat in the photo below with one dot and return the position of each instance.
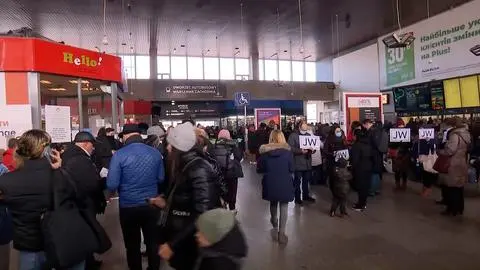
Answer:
(457, 148)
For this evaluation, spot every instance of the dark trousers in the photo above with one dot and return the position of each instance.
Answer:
(338, 199)
(364, 181)
(401, 176)
(302, 178)
(428, 179)
(317, 175)
(232, 186)
(455, 200)
(132, 220)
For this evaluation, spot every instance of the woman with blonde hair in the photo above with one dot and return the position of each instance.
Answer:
(27, 192)
(276, 164)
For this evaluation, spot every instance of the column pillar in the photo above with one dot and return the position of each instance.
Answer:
(254, 64)
(115, 122)
(34, 97)
(153, 63)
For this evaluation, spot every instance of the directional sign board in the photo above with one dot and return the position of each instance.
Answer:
(242, 99)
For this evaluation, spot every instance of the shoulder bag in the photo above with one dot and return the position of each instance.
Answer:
(68, 238)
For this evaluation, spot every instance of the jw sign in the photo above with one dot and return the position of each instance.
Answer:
(426, 133)
(309, 142)
(399, 135)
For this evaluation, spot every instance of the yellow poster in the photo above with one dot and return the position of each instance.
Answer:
(469, 91)
(452, 94)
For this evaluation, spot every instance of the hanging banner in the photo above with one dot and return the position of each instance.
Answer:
(14, 121)
(399, 135)
(268, 115)
(57, 123)
(442, 49)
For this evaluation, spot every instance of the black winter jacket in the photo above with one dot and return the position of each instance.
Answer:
(223, 151)
(362, 157)
(85, 175)
(197, 191)
(103, 152)
(27, 194)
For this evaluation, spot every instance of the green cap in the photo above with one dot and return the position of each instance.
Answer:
(216, 224)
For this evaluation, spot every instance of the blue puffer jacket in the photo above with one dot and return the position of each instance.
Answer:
(135, 172)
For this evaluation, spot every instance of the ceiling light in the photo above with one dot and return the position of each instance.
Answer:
(399, 41)
(183, 46)
(45, 82)
(236, 48)
(57, 89)
(75, 82)
(476, 50)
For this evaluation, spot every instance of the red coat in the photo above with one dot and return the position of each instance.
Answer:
(9, 160)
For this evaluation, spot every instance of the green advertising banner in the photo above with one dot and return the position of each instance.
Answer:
(400, 64)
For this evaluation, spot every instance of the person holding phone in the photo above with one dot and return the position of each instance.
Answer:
(27, 192)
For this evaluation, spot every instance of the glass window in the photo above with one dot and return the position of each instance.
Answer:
(163, 64)
(284, 70)
(226, 69)
(312, 113)
(211, 68)
(242, 66)
(179, 67)
(261, 76)
(310, 71)
(128, 66)
(142, 67)
(195, 68)
(271, 73)
(297, 75)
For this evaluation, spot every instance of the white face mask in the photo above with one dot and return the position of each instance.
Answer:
(303, 132)
(144, 136)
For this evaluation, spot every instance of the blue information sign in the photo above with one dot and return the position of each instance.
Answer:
(242, 99)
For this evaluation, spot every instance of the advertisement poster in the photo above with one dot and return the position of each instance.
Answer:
(441, 49)
(57, 123)
(14, 121)
(267, 115)
(361, 106)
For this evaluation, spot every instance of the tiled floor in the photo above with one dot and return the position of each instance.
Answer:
(398, 231)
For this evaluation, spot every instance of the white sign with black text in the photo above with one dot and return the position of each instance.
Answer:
(309, 142)
(426, 133)
(57, 123)
(399, 135)
(341, 154)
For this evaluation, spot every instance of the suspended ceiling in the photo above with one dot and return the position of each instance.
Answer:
(217, 27)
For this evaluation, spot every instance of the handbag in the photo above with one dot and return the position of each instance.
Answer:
(6, 226)
(442, 164)
(68, 238)
(428, 161)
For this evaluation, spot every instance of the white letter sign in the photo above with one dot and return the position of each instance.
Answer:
(426, 133)
(309, 142)
(57, 123)
(399, 135)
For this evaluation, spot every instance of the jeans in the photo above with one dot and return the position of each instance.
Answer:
(36, 261)
(283, 216)
(364, 181)
(133, 220)
(317, 175)
(232, 185)
(5, 257)
(375, 185)
(302, 178)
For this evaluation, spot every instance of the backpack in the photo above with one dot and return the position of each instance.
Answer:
(219, 173)
(223, 153)
(381, 141)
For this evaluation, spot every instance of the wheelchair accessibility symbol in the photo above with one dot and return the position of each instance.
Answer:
(242, 99)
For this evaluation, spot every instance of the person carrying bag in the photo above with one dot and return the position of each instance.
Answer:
(68, 237)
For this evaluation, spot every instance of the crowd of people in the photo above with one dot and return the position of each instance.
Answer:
(177, 188)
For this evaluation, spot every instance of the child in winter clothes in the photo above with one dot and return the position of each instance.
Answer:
(221, 241)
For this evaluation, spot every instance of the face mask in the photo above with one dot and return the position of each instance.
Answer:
(338, 134)
(144, 136)
(303, 132)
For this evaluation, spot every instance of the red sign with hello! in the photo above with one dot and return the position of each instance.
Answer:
(30, 54)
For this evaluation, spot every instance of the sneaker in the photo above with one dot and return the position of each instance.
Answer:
(282, 238)
(359, 208)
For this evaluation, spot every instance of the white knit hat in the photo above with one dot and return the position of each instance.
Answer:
(182, 137)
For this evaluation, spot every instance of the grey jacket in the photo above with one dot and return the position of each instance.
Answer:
(303, 162)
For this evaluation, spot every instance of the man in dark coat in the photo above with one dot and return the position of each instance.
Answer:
(78, 163)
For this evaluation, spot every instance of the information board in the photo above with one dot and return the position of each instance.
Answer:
(57, 123)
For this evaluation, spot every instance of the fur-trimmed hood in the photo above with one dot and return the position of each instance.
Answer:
(273, 146)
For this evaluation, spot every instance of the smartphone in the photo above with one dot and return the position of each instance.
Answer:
(47, 153)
